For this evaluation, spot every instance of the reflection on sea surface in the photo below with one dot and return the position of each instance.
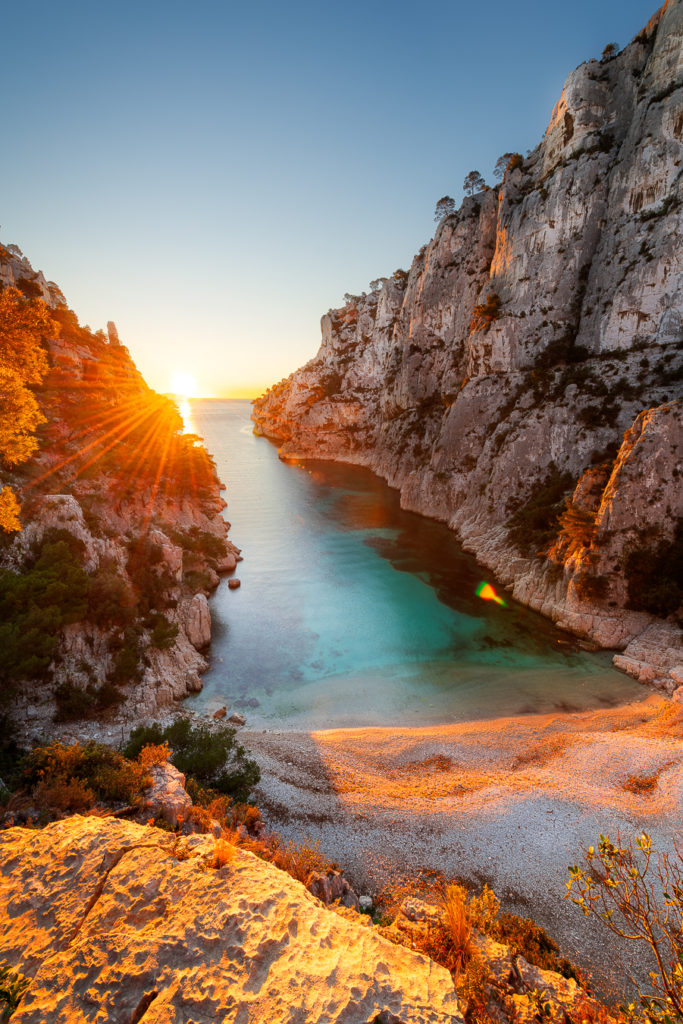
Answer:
(355, 612)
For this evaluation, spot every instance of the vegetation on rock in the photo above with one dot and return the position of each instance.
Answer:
(211, 756)
(637, 894)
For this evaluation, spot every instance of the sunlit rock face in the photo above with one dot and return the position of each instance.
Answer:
(144, 512)
(581, 245)
(118, 922)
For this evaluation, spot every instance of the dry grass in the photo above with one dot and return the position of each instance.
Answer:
(458, 925)
(590, 1012)
(224, 851)
(300, 860)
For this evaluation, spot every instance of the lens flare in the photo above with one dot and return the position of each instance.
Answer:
(487, 593)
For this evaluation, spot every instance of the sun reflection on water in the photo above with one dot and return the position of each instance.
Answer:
(185, 409)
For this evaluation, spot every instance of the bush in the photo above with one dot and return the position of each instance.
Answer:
(12, 988)
(200, 542)
(111, 600)
(77, 777)
(528, 939)
(638, 894)
(50, 592)
(654, 574)
(127, 667)
(11, 754)
(211, 756)
(164, 633)
(484, 314)
(592, 588)
(535, 525)
(577, 525)
(76, 702)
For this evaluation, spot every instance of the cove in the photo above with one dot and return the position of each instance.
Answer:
(353, 612)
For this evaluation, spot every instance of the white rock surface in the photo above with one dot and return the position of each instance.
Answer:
(111, 920)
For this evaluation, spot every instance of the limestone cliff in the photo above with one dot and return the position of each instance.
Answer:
(119, 922)
(138, 505)
(522, 381)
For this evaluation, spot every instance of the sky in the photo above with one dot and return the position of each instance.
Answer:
(214, 176)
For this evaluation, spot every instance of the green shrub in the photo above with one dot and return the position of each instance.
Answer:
(127, 667)
(164, 632)
(654, 575)
(50, 592)
(111, 600)
(12, 988)
(535, 525)
(200, 542)
(212, 757)
(76, 702)
(11, 754)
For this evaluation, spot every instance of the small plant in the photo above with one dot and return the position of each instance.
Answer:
(486, 313)
(577, 525)
(12, 988)
(535, 525)
(638, 895)
(223, 853)
(458, 925)
(164, 633)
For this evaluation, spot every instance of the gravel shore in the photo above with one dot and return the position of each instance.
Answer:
(510, 801)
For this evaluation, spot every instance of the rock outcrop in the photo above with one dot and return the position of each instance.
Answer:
(534, 350)
(118, 922)
(139, 502)
(166, 797)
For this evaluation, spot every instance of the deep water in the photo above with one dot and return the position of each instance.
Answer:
(354, 612)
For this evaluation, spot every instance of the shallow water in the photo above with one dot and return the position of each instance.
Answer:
(353, 612)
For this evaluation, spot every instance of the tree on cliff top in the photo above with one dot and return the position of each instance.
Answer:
(444, 208)
(474, 182)
(23, 362)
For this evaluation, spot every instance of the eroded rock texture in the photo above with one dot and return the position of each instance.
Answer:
(118, 922)
(535, 340)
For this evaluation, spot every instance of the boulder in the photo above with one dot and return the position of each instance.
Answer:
(166, 798)
(234, 583)
(221, 713)
(237, 719)
(332, 888)
(198, 622)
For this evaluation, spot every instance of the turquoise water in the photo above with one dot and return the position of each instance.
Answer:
(353, 612)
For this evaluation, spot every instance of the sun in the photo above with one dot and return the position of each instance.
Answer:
(183, 385)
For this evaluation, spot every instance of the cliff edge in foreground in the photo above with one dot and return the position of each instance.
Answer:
(119, 922)
(523, 381)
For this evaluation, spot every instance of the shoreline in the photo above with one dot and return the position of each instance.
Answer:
(509, 801)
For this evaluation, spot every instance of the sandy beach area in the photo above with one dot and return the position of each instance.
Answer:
(509, 801)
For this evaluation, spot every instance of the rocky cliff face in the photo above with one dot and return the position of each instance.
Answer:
(522, 382)
(138, 503)
(119, 922)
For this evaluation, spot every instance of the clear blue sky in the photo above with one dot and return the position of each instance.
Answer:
(214, 176)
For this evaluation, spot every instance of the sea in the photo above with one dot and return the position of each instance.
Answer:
(353, 612)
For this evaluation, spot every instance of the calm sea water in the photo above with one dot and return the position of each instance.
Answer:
(353, 612)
